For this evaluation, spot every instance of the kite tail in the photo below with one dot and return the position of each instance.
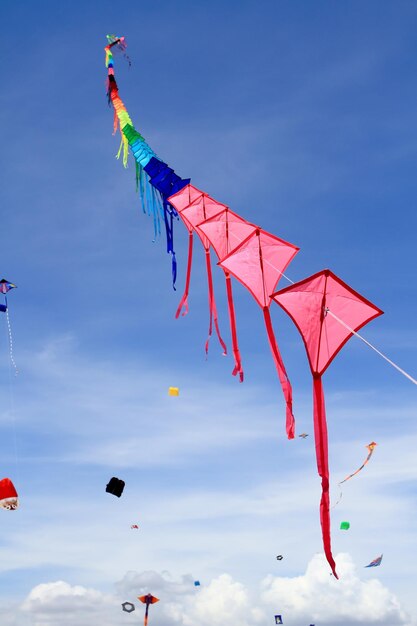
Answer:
(213, 309)
(184, 299)
(320, 434)
(236, 353)
(9, 330)
(282, 374)
(145, 622)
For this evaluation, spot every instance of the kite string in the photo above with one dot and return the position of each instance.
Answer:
(11, 395)
(397, 367)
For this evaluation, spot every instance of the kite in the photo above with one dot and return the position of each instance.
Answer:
(278, 619)
(303, 435)
(9, 499)
(225, 231)
(279, 557)
(128, 607)
(258, 263)
(195, 206)
(327, 312)
(115, 486)
(5, 287)
(370, 447)
(135, 526)
(344, 525)
(154, 179)
(375, 562)
(196, 583)
(148, 599)
(173, 391)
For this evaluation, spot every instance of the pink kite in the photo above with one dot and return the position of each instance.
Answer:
(258, 263)
(225, 231)
(327, 312)
(195, 206)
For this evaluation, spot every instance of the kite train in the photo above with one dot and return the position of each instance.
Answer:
(326, 311)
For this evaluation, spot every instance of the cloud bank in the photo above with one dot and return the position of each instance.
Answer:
(312, 598)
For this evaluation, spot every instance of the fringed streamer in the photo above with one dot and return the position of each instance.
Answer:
(184, 299)
(320, 435)
(212, 308)
(174, 270)
(9, 330)
(138, 173)
(236, 353)
(124, 146)
(157, 208)
(169, 229)
(282, 374)
(142, 182)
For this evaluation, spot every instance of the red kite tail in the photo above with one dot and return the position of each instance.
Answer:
(184, 299)
(320, 434)
(282, 374)
(212, 307)
(238, 363)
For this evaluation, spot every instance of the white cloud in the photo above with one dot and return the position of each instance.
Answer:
(318, 597)
(58, 602)
(312, 598)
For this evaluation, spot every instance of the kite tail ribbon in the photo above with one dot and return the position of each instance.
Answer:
(282, 374)
(145, 622)
(320, 434)
(184, 299)
(213, 309)
(236, 353)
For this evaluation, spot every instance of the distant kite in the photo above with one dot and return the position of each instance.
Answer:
(135, 526)
(303, 435)
(196, 583)
(128, 607)
(8, 495)
(115, 486)
(370, 447)
(5, 287)
(279, 557)
(375, 562)
(148, 599)
(278, 619)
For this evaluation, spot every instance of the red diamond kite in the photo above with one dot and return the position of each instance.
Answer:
(225, 231)
(327, 312)
(258, 263)
(195, 206)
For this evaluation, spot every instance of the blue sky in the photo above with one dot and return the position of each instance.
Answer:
(302, 118)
